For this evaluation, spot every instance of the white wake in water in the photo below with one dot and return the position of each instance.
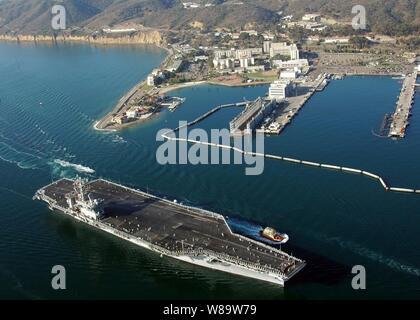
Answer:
(22, 159)
(371, 254)
(77, 167)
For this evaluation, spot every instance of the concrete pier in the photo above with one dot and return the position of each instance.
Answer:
(405, 101)
(294, 104)
(287, 159)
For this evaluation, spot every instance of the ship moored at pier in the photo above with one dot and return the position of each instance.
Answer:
(169, 228)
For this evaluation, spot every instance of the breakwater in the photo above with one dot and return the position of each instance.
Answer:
(343, 169)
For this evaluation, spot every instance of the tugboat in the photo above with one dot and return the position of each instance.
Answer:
(273, 235)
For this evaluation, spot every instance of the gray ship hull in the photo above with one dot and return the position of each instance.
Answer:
(170, 229)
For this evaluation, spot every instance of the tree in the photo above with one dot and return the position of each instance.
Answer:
(359, 42)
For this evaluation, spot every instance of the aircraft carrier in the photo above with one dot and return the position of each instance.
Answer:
(169, 228)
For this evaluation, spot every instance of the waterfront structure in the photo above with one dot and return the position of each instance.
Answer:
(279, 90)
(403, 110)
(154, 76)
(151, 80)
(168, 228)
(250, 118)
(132, 114)
(120, 119)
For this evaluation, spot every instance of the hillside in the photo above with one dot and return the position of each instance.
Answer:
(86, 16)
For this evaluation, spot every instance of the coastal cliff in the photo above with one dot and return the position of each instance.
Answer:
(143, 37)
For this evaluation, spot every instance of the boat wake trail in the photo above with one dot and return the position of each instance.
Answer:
(373, 255)
(22, 159)
(9, 278)
(78, 167)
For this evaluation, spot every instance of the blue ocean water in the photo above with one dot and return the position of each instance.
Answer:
(50, 97)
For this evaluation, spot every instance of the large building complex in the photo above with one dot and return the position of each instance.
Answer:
(283, 49)
(239, 60)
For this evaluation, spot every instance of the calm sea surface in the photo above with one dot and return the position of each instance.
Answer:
(50, 97)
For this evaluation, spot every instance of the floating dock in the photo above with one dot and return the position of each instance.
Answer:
(173, 103)
(171, 229)
(405, 102)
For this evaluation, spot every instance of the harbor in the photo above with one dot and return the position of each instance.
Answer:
(293, 104)
(169, 228)
(399, 120)
(309, 203)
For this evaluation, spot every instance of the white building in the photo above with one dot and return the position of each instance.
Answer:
(266, 46)
(294, 52)
(237, 54)
(255, 68)
(151, 80)
(175, 66)
(109, 30)
(315, 17)
(244, 63)
(200, 58)
(337, 40)
(228, 59)
(131, 114)
(291, 64)
(279, 90)
(288, 74)
(223, 63)
(221, 54)
(268, 36)
(281, 48)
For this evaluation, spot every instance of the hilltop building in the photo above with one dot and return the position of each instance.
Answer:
(281, 48)
(313, 17)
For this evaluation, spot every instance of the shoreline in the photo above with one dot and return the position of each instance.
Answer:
(167, 89)
(146, 37)
(88, 43)
(161, 91)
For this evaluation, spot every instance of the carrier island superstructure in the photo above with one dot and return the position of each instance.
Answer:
(186, 233)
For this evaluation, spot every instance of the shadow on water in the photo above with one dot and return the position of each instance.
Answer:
(319, 269)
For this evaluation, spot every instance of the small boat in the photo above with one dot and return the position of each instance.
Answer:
(273, 235)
